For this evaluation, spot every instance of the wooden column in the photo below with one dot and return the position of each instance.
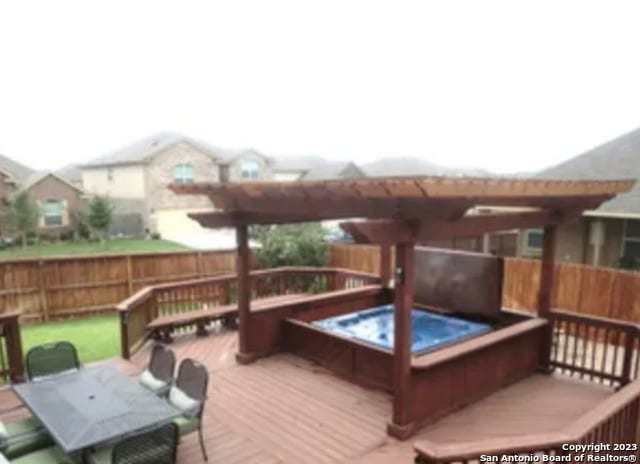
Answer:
(545, 292)
(401, 426)
(385, 265)
(244, 295)
(13, 344)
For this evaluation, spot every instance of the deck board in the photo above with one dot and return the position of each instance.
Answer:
(284, 409)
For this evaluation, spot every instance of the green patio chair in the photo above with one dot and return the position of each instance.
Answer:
(159, 446)
(23, 436)
(50, 359)
(189, 395)
(50, 455)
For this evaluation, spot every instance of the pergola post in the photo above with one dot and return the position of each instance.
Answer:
(385, 265)
(545, 291)
(401, 426)
(243, 264)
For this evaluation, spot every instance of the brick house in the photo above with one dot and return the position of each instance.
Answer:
(136, 177)
(610, 235)
(57, 198)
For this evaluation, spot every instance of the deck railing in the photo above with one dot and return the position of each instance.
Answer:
(11, 364)
(590, 348)
(595, 349)
(613, 422)
(191, 295)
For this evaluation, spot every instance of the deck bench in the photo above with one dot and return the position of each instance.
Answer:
(162, 326)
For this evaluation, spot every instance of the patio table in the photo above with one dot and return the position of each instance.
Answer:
(93, 406)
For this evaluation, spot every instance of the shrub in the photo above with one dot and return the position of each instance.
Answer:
(67, 235)
(155, 236)
(291, 245)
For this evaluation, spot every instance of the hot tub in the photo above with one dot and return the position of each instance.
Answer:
(375, 326)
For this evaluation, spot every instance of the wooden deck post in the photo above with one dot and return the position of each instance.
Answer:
(385, 265)
(401, 426)
(13, 344)
(545, 292)
(244, 295)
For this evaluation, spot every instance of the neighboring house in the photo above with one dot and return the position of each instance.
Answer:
(292, 168)
(59, 201)
(609, 235)
(57, 198)
(136, 179)
(413, 166)
(71, 173)
(334, 170)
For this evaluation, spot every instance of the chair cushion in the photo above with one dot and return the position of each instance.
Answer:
(4, 434)
(46, 456)
(24, 436)
(187, 405)
(3, 460)
(149, 381)
(186, 425)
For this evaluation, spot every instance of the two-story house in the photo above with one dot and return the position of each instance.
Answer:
(136, 179)
(58, 199)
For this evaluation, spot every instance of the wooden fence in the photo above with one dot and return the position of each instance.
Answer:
(58, 288)
(601, 292)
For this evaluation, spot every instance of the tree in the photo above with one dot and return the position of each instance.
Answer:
(100, 214)
(291, 245)
(23, 216)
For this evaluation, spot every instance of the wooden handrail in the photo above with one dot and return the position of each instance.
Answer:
(432, 452)
(592, 346)
(594, 320)
(168, 298)
(145, 292)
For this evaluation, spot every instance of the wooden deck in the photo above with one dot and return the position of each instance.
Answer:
(283, 409)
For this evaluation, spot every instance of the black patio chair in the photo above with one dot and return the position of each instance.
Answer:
(50, 359)
(158, 446)
(161, 367)
(193, 380)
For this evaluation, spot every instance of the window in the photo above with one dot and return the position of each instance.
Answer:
(110, 174)
(250, 169)
(53, 210)
(631, 244)
(224, 173)
(183, 174)
(533, 239)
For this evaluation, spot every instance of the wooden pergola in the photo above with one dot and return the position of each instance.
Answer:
(400, 212)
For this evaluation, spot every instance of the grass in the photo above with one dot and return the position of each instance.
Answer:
(83, 247)
(96, 338)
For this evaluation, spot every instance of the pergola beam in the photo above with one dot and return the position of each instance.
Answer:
(388, 232)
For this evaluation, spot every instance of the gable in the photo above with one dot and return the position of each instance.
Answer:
(54, 186)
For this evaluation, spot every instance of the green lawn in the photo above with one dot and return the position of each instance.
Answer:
(95, 338)
(113, 246)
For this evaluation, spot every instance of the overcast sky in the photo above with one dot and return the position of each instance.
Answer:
(505, 86)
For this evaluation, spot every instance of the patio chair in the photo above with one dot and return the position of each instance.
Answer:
(159, 446)
(189, 395)
(159, 375)
(22, 437)
(50, 359)
(51, 455)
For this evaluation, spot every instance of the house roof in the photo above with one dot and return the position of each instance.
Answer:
(16, 170)
(71, 172)
(414, 166)
(36, 177)
(298, 163)
(142, 151)
(334, 170)
(398, 198)
(616, 159)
